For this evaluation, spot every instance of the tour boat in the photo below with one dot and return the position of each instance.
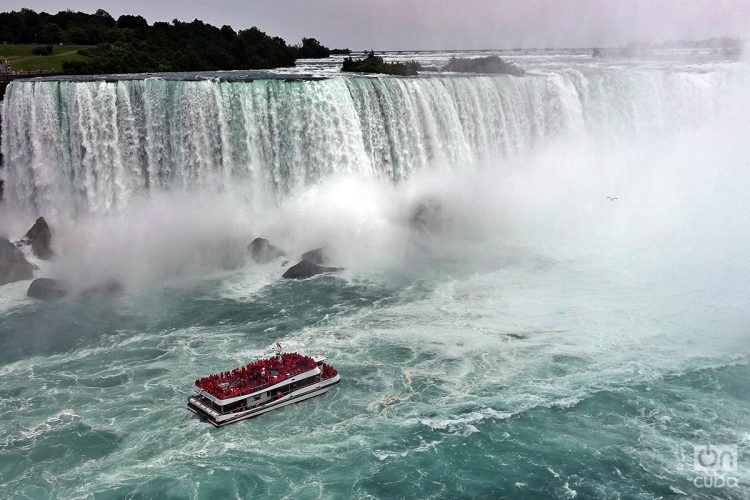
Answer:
(261, 386)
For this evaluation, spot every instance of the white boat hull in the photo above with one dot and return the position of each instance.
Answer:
(219, 419)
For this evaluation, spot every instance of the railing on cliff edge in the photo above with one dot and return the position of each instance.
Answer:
(12, 74)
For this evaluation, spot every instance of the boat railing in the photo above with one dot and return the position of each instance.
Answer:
(241, 406)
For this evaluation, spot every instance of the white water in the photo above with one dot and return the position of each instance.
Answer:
(535, 339)
(92, 147)
(150, 179)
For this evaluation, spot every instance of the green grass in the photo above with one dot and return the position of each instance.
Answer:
(47, 62)
(21, 57)
(16, 51)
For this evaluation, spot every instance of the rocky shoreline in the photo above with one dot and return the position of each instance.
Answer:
(37, 242)
(13, 264)
(312, 262)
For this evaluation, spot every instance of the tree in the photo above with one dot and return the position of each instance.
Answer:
(228, 33)
(375, 64)
(132, 22)
(313, 49)
(107, 19)
(52, 33)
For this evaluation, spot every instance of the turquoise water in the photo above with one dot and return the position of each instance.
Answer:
(528, 338)
(479, 384)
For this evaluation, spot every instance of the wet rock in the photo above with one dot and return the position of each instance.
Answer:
(40, 239)
(263, 252)
(307, 269)
(106, 290)
(318, 256)
(46, 289)
(13, 265)
(426, 216)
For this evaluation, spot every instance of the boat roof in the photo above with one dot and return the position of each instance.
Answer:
(259, 376)
(281, 383)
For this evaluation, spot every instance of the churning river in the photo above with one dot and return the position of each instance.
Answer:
(502, 327)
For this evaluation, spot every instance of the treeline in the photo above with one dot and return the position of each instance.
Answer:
(130, 44)
(28, 26)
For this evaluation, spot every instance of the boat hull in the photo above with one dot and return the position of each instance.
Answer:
(220, 420)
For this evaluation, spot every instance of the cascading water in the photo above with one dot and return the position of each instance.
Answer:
(91, 146)
(544, 294)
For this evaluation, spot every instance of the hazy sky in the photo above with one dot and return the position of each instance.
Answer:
(435, 24)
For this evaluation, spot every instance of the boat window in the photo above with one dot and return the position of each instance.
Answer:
(210, 403)
(238, 406)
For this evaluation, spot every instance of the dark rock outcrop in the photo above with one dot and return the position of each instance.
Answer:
(46, 289)
(263, 252)
(40, 239)
(318, 256)
(490, 65)
(307, 269)
(13, 265)
(106, 290)
(426, 216)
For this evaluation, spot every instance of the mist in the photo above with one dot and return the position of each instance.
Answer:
(675, 192)
(549, 270)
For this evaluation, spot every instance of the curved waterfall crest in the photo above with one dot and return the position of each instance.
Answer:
(90, 147)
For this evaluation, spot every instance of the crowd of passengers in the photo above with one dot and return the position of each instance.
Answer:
(259, 374)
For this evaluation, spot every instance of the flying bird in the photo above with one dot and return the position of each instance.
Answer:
(611, 198)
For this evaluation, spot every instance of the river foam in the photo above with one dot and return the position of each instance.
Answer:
(528, 337)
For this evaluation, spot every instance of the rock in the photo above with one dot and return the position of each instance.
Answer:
(106, 290)
(307, 269)
(40, 238)
(46, 289)
(263, 252)
(490, 64)
(318, 256)
(13, 265)
(427, 215)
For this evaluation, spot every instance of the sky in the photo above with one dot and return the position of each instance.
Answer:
(445, 24)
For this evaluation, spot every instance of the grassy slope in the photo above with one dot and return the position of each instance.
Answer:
(20, 56)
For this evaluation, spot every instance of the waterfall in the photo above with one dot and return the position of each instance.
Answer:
(90, 147)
